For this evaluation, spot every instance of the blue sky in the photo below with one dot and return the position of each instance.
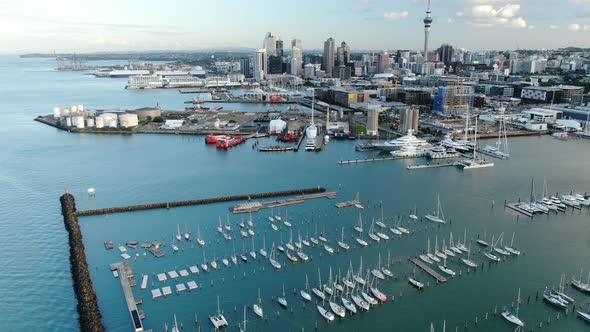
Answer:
(108, 25)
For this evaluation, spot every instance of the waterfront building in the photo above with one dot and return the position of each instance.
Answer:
(453, 99)
(409, 120)
(373, 121)
(329, 50)
(553, 94)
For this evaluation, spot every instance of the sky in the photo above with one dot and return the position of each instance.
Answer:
(138, 25)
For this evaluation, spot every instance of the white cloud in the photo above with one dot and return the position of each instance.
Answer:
(395, 15)
(488, 14)
(574, 27)
(509, 10)
(519, 22)
(580, 2)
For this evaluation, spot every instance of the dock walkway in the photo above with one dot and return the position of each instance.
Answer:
(427, 166)
(427, 269)
(131, 306)
(515, 207)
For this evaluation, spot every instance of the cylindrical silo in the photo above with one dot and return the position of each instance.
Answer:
(90, 122)
(80, 107)
(65, 112)
(74, 109)
(56, 112)
(99, 123)
(128, 120)
(68, 121)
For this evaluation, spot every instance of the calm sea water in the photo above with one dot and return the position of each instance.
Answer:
(38, 162)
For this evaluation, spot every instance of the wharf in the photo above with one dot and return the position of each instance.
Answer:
(305, 193)
(131, 303)
(515, 207)
(300, 141)
(370, 160)
(427, 269)
(257, 206)
(427, 166)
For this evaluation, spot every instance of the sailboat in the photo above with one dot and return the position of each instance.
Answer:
(227, 225)
(272, 258)
(253, 252)
(579, 285)
(243, 326)
(327, 288)
(329, 316)
(359, 301)
(329, 249)
(414, 282)
(220, 227)
(511, 249)
(445, 269)
(289, 245)
(200, 240)
(474, 163)
(414, 214)
(298, 243)
(561, 291)
(175, 327)
(305, 293)
(318, 291)
(271, 218)
(280, 246)
(343, 244)
(438, 216)
(501, 148)
(214, 261)
(263, 249)
(359, 227)
(250, 221)
(377, 271)
(234, 257)
(439, 253)
(468, 261)
(371, 300)
(462, 246)
(218, 320)
(380, 296)
(430, 255)
(204, 265)
(178, 235)
(452, 245)
(322, 237)
(336, 308)
(187, 235)
(483, 242)
(286, 222)
(380, 221)
(372, 235)
(359, 276)
(300, 252)
(386, 270)
(499, 249)
(244, 255)
(283, 300)
(347, 303)
(490, 255)
(174, 246)
(257, 307)
(348, 280)
(243, 233)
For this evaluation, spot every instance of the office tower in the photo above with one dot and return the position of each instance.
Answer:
(329, 49)
(342, 54)
(275, 65)
(260, 65)
(279, 47)
(270, 44)
(382, 62)
(427, 25)
(296, 56)
(446, 53)
(409, 119)
(245, 66)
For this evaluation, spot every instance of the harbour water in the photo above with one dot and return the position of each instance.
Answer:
(38, 162)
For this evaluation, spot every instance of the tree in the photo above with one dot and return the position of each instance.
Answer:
(158, 119)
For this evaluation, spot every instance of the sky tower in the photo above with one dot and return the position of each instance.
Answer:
(427, 24)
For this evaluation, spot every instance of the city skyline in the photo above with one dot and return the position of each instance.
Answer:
(68, 26)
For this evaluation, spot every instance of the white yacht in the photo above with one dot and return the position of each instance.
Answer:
(450, 143)
(407, 140)
(441, 152)
(409, 151)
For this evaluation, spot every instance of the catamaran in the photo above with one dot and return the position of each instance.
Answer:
(438, 216)
(305, 293)
(218, 320)
(513, 318)
(257, 307)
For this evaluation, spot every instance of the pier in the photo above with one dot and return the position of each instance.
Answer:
(367, 160)
(222, 199)
(427, 269)
(129, 299)
(257, 206)
(515, 207)
(300, 141)
(427, 166)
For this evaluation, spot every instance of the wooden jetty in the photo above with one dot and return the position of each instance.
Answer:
(276, 148)
(427, 166)
(129, 299)
(356, 202)
(367, 160)
(427, 269)
(167, 205)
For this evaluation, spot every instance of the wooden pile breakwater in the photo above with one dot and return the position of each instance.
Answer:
(88, 310)
(222, 199)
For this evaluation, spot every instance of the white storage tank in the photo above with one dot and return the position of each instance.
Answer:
(74, 109)
(128, 120)
(99, 123)
(90, 122)
(78, 121)
(56, 112)
(80, 107)
(109, 120)
(65, 112)
(68, 121)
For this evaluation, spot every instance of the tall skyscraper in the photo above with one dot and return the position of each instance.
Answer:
(296, 56)
(446, 53)
(427, 25)
(342, 54)
(329, 50)
(279, 47)
(382, 62)
(270, 44)
(245, 66)
(260, 65)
